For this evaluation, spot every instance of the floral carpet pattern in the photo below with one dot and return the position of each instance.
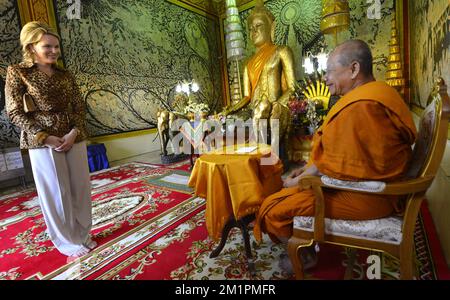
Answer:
(149, 225)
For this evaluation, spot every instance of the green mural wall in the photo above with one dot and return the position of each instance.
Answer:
(298, 26)
(376, 32)
(9, 54)
(128, 57)
(430, 46)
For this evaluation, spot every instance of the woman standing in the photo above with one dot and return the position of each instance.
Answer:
(44, 101)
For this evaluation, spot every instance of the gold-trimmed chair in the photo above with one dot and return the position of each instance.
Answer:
(393, 235)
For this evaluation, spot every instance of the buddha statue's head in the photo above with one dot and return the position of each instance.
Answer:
(261, 24)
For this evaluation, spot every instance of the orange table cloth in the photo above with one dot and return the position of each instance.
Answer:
(233, 184)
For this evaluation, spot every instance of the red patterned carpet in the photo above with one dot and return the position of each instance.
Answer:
(149, 226)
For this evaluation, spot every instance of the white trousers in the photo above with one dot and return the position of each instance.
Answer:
(64, 190)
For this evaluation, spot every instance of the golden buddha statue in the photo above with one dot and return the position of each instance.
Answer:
(268, 77)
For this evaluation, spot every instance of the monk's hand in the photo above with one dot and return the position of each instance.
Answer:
(297, 172)
(290, 182)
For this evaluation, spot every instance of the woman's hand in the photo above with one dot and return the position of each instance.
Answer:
(53, 141)
(68, 141)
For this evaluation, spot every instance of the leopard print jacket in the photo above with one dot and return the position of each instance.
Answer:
(58, 102)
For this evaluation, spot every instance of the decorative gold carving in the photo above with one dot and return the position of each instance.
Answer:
(394, 57)
(394, 75)
(335, 17)
(394, 49)
(394, 66)
(318, 91)
(37, 10)
(300, 146)
(205, 8)
(213, 7)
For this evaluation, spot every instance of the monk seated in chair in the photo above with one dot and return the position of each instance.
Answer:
(367, 135)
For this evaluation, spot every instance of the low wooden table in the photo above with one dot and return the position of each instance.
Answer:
(234, 186)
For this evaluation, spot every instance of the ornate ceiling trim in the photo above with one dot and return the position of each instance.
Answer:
(212, 7)
(203, 7)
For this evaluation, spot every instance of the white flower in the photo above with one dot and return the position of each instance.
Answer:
(195, 108)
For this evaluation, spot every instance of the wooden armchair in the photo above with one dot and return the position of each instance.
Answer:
(393, 235)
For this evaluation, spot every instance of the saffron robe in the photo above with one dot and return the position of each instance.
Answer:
(367, 135)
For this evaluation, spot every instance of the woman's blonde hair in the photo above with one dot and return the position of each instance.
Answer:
(31, 34)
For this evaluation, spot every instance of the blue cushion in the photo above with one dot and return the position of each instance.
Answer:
(97, 158)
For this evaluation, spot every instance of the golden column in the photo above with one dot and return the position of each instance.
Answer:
(37, 10)
(335, 17)
(394, 74)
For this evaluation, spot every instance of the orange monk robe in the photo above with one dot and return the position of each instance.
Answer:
(367, 135)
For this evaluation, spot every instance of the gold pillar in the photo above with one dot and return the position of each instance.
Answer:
(37, 10)
(401, 15)
(394, 74)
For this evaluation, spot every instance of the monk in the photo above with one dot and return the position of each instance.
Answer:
(367, 135)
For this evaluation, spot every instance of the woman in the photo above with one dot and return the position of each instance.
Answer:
(44, 101)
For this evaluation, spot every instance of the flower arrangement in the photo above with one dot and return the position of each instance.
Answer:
(307, 113)
(195, 108)
(298, 109)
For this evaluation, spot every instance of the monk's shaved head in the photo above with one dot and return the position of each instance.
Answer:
(355, 50)
(348, 66)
